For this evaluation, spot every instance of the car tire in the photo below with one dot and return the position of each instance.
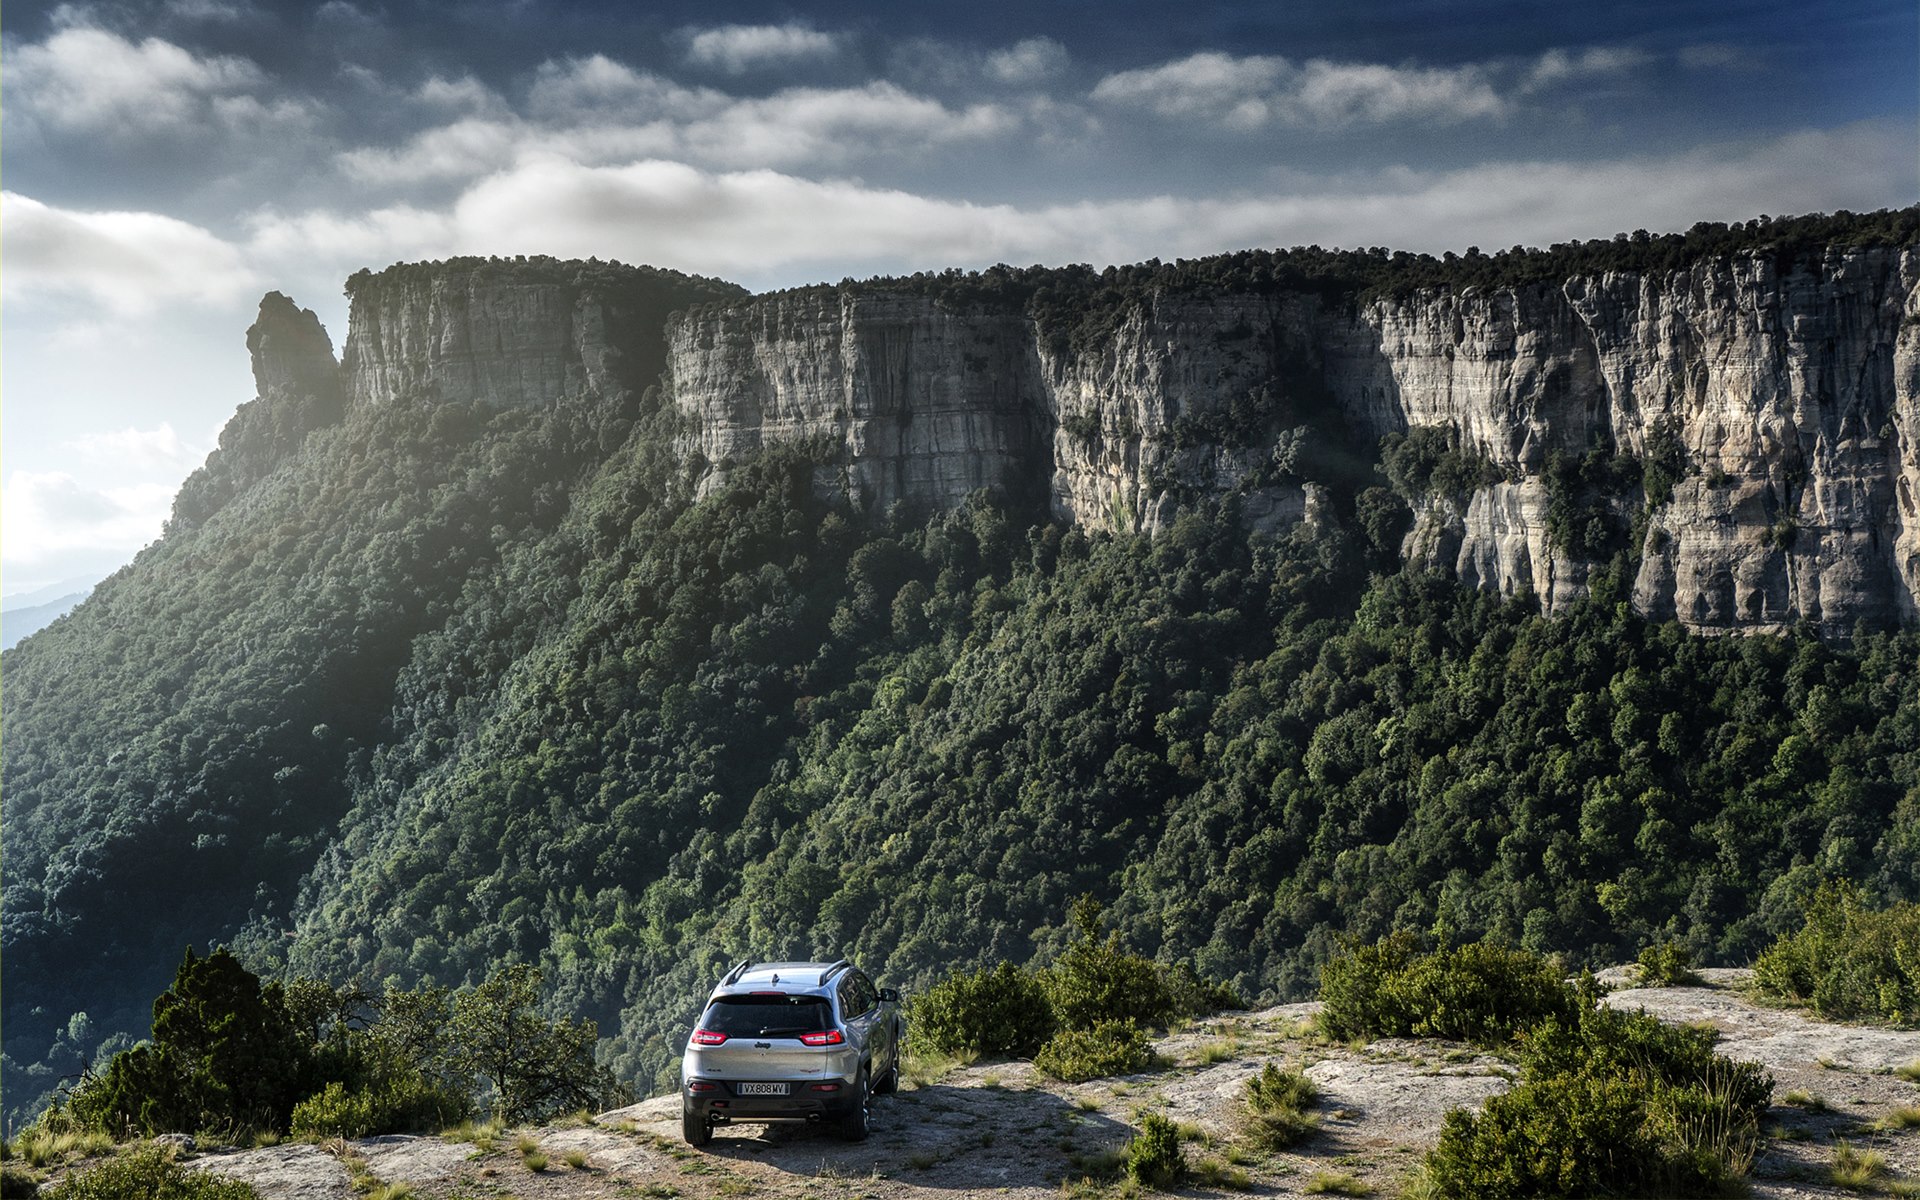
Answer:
(857, 1123)
(694, 1127)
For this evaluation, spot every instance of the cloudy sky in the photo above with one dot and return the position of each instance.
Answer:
(165, 163)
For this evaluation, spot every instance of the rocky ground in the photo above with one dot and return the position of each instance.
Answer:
(1001, 1129)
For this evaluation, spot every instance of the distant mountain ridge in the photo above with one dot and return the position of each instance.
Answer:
(21, 620)
(547, 625)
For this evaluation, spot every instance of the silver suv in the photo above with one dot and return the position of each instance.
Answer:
(790, 1042)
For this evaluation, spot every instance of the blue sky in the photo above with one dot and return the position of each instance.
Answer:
(165, 163)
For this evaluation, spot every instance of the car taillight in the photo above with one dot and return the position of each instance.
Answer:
(702, 1085)
(831, 1037)
(707, 1037)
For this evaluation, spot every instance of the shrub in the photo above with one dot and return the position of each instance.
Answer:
(397, 1102)
(1355, 987)
(1154, 1158)
(1608, 1041)
(1002, 1011)
(1194, 996)
(1848, 960)
(1109, 1048)
(1097, 980)
(1608, 1103)
(1277, 1104)
(1565, 1135)
(1478, 993)
(16, 1184)
(148, 1173)
(1666, 964)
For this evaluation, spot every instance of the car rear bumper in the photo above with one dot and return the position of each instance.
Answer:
(808, 1101)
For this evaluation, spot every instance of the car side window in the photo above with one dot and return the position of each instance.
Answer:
(869, 997)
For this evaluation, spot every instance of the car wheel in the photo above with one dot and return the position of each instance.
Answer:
(694, 1127)
(889, 1081)
(855, 1125)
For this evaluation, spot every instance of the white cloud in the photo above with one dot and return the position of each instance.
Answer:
(832, 125)
(89, 80)
(139, 450)
(294, 243)
(1558, 66)
(737, 48)
(772, 228)
(130, 262)
(209, 10)
(1027, 61)
(49, 520)
(466, 148)
(1208, 85)
(465, 93)
(1250, 92)
(599, 112)
(599, 88)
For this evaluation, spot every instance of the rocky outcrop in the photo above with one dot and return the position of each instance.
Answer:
(298, 391)
(924, 405)
(475, 335)
(1792, 397)
(1785, 401)
(511, 332)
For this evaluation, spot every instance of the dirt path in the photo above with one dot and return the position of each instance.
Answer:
(1003, 1130)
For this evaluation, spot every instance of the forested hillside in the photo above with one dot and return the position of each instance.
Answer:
(444, 686)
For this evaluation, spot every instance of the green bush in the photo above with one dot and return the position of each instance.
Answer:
(1194, 996)
(1002, 1011)
(1098, 980)
(1109, 1048)
(147, 1173)
(1848, 960)
(1277, 1104)
(1608, 1041)
(1479, 993)
(16, 1184)
(1609, 1103)
(1666, 964)
(397, 1102)
(1153, 1156)
(1566, 1135)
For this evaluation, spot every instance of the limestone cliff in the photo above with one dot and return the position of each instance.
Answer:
(1789, 396)
(1779, 394)
(511, 332)
(928, 404)
(298, 390)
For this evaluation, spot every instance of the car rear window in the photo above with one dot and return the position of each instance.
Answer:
(767, 1016)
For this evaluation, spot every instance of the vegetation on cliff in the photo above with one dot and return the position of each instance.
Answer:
(1080, 305)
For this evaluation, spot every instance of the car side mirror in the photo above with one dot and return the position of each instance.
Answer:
(889, 996)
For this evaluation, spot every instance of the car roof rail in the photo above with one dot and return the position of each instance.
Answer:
(734, 975)
(834, 969)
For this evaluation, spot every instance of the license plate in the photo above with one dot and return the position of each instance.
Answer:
(761, 1089)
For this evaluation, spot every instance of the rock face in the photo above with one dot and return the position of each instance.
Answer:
(476, 334)
(1792, 397)
(1784, 401)
(298, 391)
(511, 332)
(928, 405)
